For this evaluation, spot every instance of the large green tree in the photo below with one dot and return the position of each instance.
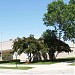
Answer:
(31, 46)
(62, 17)
(54, 45)
(26, 45)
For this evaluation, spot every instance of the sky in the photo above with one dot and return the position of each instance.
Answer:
(20, 18)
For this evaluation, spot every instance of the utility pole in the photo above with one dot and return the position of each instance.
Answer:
(1, 46)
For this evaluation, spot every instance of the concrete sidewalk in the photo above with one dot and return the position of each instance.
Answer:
(53, 69)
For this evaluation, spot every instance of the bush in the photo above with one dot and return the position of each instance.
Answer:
(4, 62)
(64, 59)
(10, 61)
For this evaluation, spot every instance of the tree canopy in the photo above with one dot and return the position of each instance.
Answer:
(33, 47)
(47, 44)
(61, 16)
(54, 44)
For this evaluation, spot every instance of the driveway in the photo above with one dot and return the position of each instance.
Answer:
(54, 69)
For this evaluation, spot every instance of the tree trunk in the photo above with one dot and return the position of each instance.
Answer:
(51, 55)
(30, 58)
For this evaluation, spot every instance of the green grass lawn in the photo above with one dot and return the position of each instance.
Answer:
(19, 68)
(42, 63)
(23, 68)
(37, 63)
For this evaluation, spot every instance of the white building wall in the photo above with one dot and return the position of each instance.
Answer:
(23, 57)
(70, 54)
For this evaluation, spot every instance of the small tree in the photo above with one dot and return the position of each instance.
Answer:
(28, 45)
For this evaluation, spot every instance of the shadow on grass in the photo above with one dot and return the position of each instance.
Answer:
(68, 60)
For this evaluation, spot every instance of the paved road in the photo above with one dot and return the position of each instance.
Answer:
(54, 69)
